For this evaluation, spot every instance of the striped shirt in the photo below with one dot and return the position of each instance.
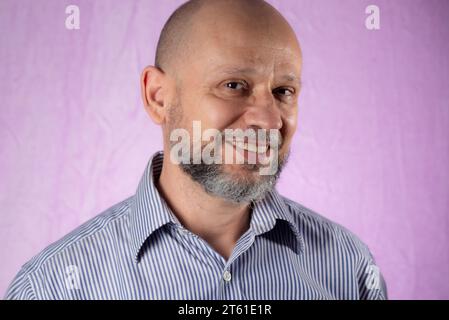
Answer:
(138, 249)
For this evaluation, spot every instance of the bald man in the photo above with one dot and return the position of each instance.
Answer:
(211, 225)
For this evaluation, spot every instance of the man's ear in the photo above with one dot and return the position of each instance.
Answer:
(152, 87)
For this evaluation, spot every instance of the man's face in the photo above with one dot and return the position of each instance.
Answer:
(239, 79)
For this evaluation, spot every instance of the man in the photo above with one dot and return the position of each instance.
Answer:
(212, 230)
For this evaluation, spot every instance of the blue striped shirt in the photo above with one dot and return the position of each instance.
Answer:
(138, 249)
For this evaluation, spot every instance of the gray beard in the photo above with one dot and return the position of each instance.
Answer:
(216, 182)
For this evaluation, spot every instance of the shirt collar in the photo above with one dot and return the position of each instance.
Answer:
(149, 211)
(267, 212)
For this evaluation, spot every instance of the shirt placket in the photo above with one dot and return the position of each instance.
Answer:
(228, 288)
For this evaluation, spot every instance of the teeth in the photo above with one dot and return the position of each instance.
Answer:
(251, 147)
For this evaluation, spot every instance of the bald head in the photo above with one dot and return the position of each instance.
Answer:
(199, 21)
(226, 64)
(175, 32)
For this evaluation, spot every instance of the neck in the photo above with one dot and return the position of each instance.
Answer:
(219, 222)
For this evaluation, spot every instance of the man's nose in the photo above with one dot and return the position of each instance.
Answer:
(263, 112)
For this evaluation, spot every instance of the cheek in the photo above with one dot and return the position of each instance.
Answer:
(290, 122)
(217, 113)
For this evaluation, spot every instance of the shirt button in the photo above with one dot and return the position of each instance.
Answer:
(183, 231)
(227, 276)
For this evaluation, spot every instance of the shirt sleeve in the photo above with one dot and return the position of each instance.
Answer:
(372, 285)
(20, 288)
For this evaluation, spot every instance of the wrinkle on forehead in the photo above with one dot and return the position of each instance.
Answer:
(243, 59)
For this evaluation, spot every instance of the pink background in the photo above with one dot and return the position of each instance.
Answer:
(371, 151)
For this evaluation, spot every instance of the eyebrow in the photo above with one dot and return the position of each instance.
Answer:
(290, 77)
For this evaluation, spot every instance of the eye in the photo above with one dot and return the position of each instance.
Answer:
(284, 91)
(235, 85)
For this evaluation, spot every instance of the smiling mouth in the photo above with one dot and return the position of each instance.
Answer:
(260, 148)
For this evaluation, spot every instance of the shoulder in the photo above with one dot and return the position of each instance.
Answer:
(71, 247)
(313, 225)
(320, 234)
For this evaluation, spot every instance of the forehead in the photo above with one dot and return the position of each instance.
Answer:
(252, 40)
(248, 59)
(254, 44)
